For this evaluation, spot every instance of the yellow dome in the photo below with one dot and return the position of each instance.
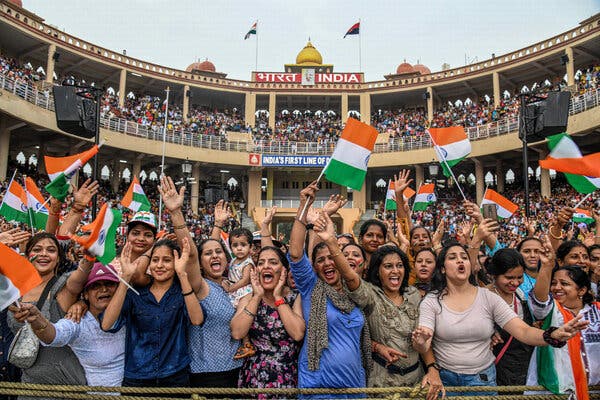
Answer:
(309, 55)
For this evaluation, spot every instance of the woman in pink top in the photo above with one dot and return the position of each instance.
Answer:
(457, 318)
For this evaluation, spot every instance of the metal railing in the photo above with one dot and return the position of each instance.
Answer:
(186, 137)
(295, 203)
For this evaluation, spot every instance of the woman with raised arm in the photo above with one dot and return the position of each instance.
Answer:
(562, 295)
(211, 346)
(458, 317)
(337, 348)
(272, 318)
(392, 309)
(53, 298)
(157, 319)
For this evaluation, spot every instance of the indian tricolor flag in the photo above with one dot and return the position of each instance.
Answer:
(17, 276)
(451, 146)
(348, 163)
(38, 213)
(582, 172)
(504, 207)
(61, 170)
(581, 215)
(425, 197)
(252, 30)
(135, 199)
(14, 203)
(390, 196)
(101, 241)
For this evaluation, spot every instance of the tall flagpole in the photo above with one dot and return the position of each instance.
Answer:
(256, 55)
(359, 49)
(162, 164)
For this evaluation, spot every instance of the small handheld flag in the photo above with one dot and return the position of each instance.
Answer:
(35, 205)
(61, 170)
(14, 203)
(451, 146)
(252, 31)
(354, 30)
(135, 199)
(504, 207)
(582, 215)
(425, 197)
(101, 241)
(17, 276)
(582, 172)
(348, 163)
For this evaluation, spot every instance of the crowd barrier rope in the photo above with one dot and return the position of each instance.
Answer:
(155, 393)
(43, 98)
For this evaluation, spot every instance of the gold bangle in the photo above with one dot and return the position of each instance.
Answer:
(42, 328)
(559, 237)
(336, 254)
(182, 226)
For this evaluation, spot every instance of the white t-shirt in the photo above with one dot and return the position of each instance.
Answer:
(461, 340)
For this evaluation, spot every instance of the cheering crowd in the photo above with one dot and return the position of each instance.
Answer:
(468, 304)
(322, 128)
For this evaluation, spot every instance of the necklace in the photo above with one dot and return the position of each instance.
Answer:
(511, 302)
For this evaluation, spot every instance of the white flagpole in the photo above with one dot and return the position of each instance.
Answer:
(162, 164)
(318, 180)
(441, 156)
(27, 197)
(359, 48)
(582, 200)
(256, 55)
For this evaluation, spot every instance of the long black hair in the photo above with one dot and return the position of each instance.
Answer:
(376, 260)
(439, 282)
(504, 260)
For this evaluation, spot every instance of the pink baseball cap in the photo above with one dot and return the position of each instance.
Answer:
(101, 273)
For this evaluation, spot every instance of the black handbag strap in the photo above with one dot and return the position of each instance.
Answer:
(42, 300)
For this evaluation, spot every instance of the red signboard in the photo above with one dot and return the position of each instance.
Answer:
(254, 159)
(284, 77)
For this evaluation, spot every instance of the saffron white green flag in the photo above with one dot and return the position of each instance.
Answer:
(101, 241)
(504, 207)
(61, 170)
(390, 196)
(348, 163)
(451, 146)
(14, 203)
(565, 155)
(425, 197)
(37, 211)
(582, 215)
(135, 199)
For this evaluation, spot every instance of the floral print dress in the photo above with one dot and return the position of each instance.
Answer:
(275, 364)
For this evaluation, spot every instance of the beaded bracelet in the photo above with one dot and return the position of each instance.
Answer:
(550, 340)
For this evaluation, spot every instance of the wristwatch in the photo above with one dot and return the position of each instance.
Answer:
(434, 365)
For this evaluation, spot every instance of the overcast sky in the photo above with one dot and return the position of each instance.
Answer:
(176, 33)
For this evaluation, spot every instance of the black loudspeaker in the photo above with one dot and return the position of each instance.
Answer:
(74, 114)
(546, 118)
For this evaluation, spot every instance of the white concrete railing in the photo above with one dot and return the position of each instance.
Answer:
(294, 203)
(186, 137)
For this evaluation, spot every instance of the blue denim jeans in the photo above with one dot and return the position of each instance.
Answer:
(487, 377)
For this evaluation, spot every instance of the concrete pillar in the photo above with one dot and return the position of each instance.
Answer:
(419, 176)
(40, 156)
(254, 190)
(116, 177)
(365, 108)
(479, 180)
(250, 109)
(4, 148)
(186, 102)
(545, 185)
(496, 85)
(122, 87)
(500, 176)
(344, 107)
(195, 187)
(272, 110)
(570, 66)
(137, 168)
(359, 199)
(270, 184)
(429, 103)
(50, 63)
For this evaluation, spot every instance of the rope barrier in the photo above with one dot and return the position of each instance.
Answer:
(389, 393)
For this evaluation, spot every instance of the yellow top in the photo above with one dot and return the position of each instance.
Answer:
(309, 56)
